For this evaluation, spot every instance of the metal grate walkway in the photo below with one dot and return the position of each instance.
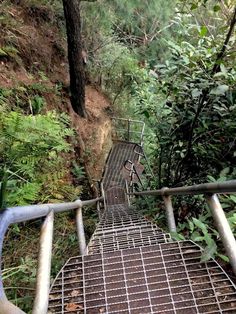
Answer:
(133, 267)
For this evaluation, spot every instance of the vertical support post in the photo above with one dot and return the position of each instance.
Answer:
(127, 192)
(44, 266)
(223, 227)
(142, 133)
(169, 212)
(128, 130)
(80, 231)
(99, 210)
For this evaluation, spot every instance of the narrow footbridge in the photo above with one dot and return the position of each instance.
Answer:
(130, 265)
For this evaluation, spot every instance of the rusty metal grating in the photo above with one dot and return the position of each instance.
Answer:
(121, 152)
(115, 195)
(166, 278)
(133, 268)
(126, 238)
(122, 227)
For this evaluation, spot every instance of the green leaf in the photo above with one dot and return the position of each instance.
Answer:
(198, 239)
(196, 93)
(223, 69)
(195, 235)
(194, 6)
(208, 239)
(2, 53)
(209, 252)
(223, 257)
(203, 31)
(216, 8)
(220, 90)
(191, 226)
(177, 236)
(22, 89)
(224, 172)
(200, 225)
(146, 113)
(211, 179)
(233, 198)
(232, 220)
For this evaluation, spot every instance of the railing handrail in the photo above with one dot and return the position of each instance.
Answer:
(131, 120)
(198, 189)
(24, 213)
(210, 191)
(129, 131)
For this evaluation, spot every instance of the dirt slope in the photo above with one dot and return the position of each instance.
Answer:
(33, 51)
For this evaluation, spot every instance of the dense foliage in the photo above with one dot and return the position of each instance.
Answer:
(182, 83)
(31, 148)
(189, 99)
(194, 111)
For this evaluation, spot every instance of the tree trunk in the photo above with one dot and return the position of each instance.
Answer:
(77, 75)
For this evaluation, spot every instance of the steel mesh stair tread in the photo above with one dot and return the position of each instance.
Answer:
(133, 268)
(164, 278)
(126, 238)
(119, 154)
(121, 151)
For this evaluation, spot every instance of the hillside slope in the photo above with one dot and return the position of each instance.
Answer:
(33, 56)
(34, 81)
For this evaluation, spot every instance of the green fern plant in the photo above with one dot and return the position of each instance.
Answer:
(30, 149)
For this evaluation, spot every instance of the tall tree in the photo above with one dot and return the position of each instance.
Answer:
(74, 40)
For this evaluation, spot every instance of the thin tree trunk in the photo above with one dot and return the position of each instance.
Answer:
(77, 74)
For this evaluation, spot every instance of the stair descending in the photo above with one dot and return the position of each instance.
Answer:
(133, 267)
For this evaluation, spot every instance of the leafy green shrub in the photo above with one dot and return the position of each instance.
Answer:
(31, 153)
(193, 115)
(26, 98)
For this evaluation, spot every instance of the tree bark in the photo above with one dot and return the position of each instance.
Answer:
(74, 41)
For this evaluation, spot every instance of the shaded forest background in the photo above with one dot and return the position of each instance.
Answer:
(169, 63)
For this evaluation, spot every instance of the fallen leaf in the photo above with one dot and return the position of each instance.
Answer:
(71, 307)
(75, 293)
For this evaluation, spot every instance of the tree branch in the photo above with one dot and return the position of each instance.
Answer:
(204, 99)
(221, 54)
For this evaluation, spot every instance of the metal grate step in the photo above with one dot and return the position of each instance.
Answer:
(167, 278)
(122, 239)
(122, 227)
(119, 154)
(133, 268)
